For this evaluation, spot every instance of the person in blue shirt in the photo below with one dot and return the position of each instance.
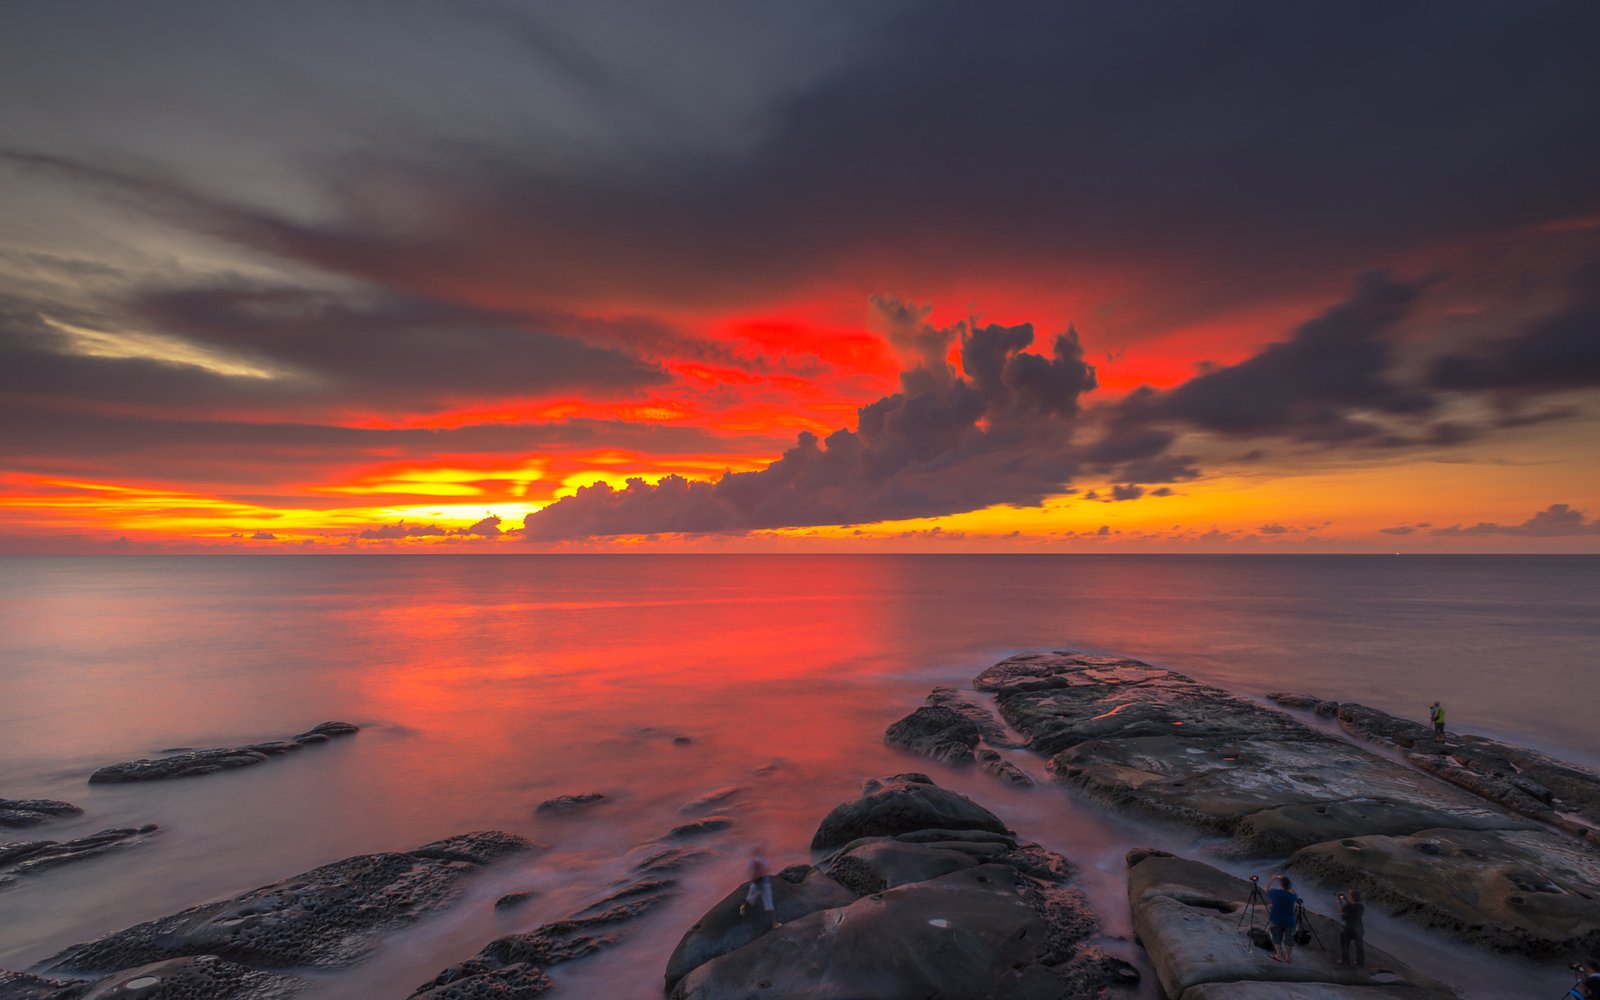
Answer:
(1281, 902)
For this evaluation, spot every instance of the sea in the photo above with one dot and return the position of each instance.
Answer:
(487, 684)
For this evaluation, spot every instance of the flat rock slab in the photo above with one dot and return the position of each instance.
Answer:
(327, 917)
(19, 813)
(1303, 991)
(901, 804)
(1188, 917)
(189, 763)
(1533, 892)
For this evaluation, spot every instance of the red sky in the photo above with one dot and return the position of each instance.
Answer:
(336, 293)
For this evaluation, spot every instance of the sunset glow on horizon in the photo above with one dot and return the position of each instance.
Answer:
(585, 280)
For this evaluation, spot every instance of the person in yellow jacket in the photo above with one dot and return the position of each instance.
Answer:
(1436, 713)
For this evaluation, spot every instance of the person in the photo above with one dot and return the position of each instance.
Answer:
(760, 890)
(1351, 910)
(1281, 902)
(1436, 714)
(1590, 984)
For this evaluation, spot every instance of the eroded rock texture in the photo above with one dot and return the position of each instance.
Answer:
(927, 895)
(188, 763)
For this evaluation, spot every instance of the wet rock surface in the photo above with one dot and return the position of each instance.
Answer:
(1161, 744)
(953, 729)
(911, 905)
(20, 813)
(327, 917)
(1526, 781)
(189, 763)
(1193, 922)
(28, 857)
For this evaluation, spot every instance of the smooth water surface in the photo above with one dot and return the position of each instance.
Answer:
(489, 683)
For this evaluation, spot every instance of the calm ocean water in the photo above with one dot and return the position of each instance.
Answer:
(490, 683)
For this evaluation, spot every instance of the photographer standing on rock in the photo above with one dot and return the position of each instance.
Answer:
(1351, 910)
(1281, 902)
(1436, 716)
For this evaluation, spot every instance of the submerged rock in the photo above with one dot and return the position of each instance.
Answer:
(18, 813)
(188, 763)
(1191, 919)
(700, 827)
(570, 803)
(27, 857)
(715, 797)
(327, 917)
(901, 804)
(933, 899)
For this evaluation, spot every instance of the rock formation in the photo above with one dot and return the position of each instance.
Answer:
(187, 763)
(1162, 744)
(927, 894)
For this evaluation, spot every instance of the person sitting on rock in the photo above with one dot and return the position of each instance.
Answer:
(1281, 902)
(1436, 714)
(1351, 910)
(760, 888)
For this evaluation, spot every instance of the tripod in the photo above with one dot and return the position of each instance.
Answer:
(1301, 920)
(1256, 899)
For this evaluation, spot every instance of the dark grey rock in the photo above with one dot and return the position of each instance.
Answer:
(29, 857)
(901, 804)
(938, 732)
(796, 891)
(18, 813)
(512, 899)
(189, 763)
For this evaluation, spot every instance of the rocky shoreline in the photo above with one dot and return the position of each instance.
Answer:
(915, 890)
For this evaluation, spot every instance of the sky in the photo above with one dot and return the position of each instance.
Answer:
(489, 277)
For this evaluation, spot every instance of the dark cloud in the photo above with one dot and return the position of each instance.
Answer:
(1220, 134)
(373, 351)
(1560, 351)
(1556, 520)
(1126, 491)
(1399, 529)
(1001, 432)
(488, 527)
(1310, 387)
